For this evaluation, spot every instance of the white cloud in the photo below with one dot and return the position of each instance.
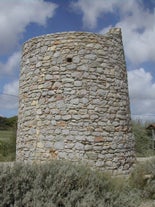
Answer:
(138, 35)
(11, 65)
(9, 96)
(16, 15)
(142, 96)
(93, 9)
(136, 21)
(11, 88)
(8, 102)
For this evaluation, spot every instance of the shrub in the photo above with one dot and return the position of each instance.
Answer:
(142, 139)
(8, 123)
(61, 184)
(143, 178)
(4, 148)
(8, 148)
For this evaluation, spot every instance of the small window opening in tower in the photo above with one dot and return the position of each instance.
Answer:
(69, 60)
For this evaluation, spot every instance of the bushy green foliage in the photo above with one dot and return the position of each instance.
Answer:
(8, 123)
(8, 147)
(61, 184)
(143, 178)
(142, 139)
(8, 128)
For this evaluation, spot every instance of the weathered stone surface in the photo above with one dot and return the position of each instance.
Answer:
(66, 117)
(78, 83)
(73, 101)
(38, 64)
(76, 59)
(48, 77)
(79, 146)
(59, 145)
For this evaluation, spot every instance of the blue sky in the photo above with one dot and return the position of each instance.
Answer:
(21, 20)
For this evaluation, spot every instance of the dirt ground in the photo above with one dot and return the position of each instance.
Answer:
(148, 204)
(143, 159)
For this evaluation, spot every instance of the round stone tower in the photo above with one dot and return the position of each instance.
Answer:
(73, 101)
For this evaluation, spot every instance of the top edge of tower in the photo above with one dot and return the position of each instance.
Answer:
(112, 31)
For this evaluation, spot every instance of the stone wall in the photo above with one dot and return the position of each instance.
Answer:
(73, 101)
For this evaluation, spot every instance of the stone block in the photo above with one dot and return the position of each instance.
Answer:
(79, 146)
(61, 123)
(99, 139)
(66, 117)
(59, 145)
(78, 83)
(39, 64)
(92, 155)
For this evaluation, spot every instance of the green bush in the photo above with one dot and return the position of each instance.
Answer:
(3, 148)
(8, 148)
(8, 123)
(61, 184)
(143, 178)
(142, 139)
(8, 128)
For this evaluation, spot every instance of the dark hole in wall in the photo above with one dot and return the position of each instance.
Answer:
(69, 60)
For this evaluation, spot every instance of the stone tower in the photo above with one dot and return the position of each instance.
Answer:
(73, 101)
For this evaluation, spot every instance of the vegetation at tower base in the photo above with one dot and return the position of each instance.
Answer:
(63, 184)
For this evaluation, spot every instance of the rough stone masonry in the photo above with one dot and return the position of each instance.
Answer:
(73, 101)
